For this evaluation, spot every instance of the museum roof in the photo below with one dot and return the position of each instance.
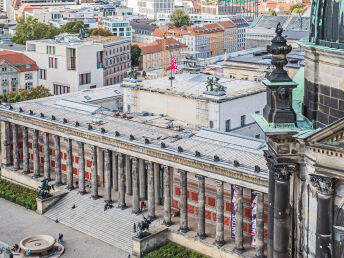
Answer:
(192, 85)
(246, 151)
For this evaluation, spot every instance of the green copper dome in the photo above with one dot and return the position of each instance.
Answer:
(327, 23)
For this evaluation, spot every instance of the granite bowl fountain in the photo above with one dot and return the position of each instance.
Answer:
(38, 244)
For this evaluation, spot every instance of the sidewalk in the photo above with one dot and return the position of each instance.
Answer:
(16, 222)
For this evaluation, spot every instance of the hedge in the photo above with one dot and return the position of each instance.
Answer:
(172, 250)
(18, 194)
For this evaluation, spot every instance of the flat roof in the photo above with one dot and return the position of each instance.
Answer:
(194, 85)
(228, 147)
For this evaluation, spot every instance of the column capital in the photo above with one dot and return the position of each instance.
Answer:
(237, 187)
(150, 164)
(80, 144)
(133, 159)
(165, 167)
(182, 171)
(283, 171)
(258, 193)
(322, 184)
(200, 177)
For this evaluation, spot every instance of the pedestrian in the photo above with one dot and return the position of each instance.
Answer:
(134, 228)
(128, 255)
(29, 253)
(56, 221)
(141, 206)
(73, 207)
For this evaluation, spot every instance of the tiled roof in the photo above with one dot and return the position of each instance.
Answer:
(18, 60)
(226, 24)
(157, 46)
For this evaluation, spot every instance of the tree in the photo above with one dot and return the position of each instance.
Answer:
(24, 94)
(101, 32)
(180, 18)
(72, 27)
(297, 8)
(135, 52)
(272, 13)
(31, 29)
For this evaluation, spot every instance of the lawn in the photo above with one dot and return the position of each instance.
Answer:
(18, 194)
(172, 250)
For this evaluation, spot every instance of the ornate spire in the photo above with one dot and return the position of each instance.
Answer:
(279, 50)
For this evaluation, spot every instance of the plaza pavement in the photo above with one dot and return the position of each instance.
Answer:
(16, 222)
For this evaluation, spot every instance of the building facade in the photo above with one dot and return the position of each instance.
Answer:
(153, 56)
(151, 8)
(119, 27)
(17, 71)
(79, 61)
(116, 58)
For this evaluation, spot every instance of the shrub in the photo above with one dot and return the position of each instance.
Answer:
(18, 194)
(172, 250)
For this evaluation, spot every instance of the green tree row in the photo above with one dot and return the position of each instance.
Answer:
(24, 94)
(31, 29)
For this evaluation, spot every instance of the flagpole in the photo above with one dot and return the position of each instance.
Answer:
(171, 74)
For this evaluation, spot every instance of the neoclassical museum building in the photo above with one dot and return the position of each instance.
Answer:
(282, 197)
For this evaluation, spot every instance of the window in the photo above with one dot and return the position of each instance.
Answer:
(243, 120)
(52, 62)
(4, 89)
(14, 88)
(84, 78)
(42, 74)
(211, 124)
(61, 89)
(51, 50)
(28, 76)
(72, 53)
(4, 69)
(4, 79)
(28, 85)
(228, 125)
(13, 78)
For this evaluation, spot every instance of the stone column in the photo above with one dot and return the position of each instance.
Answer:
(100, 166)
(15, 147)
(128, 176)
(201, 207)
(5, 144)
(271, 195)
(121, 187)
(219, 234)
(142, 179)
(136, 195)
(183, 202)
(69, 164)
(114, 171)
(282, 172)
(324, 240)
(94, 173)
(46, 156)
(239, 210)
(260, 225)
(107, 176)
(26, 166)
(157, 184)
(35, 148)
(58, 179)
(167, 198)
(151, 201)
(81, 175)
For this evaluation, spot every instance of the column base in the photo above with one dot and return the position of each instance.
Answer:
(136, 212)
(167, 224)
(184, 230)
(108, 201)
(82, 192)
(262, 256)
(201, 236)
(70, 188)
(239, 250)
(36, 176)
(151, 218)
(122, 206)
(95, 197)
(58, 184)
(219, 243)
(26, 172)
(15, 169)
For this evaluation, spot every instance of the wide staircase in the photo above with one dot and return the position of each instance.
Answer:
(113, 226)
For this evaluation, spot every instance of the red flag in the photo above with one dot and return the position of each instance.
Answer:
(174, 64)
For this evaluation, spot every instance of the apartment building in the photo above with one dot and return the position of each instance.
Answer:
(153, 54)
(67, 64)
(17, 71)
(242, 26)
(119, 27)
(151, 8)
(116, 58)
(230, 35)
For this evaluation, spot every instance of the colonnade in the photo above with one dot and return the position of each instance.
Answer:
(127, 175)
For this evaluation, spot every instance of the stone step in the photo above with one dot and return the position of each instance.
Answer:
(114, 226)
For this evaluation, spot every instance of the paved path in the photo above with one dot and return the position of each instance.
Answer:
(16, 222)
